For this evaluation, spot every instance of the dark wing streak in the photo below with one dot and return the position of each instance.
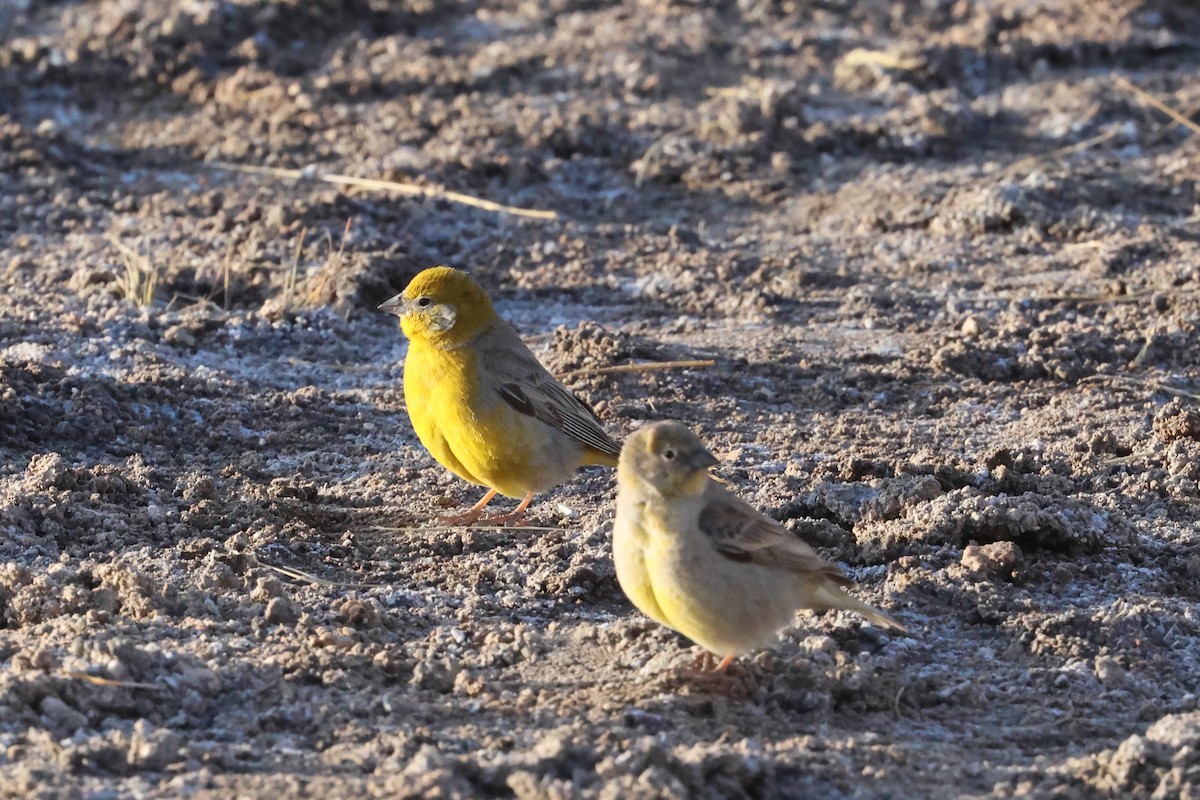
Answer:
(550, 412)
(741, 533)
(735, 554)
(535, 392)
(512, 394)
(592, 435)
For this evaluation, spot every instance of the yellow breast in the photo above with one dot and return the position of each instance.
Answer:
(475, 435)
(629, 558)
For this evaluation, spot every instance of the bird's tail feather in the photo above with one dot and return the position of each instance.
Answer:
(830, 596)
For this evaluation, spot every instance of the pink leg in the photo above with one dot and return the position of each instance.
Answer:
(471, 514)
(702, 673)
(518, 514)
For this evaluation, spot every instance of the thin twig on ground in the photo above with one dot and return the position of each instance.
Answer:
(1151, 100)
(289, 284)
(306, 577)
(1141, 383)
(226, 270)
(102, 681)
(406, 189)
(437, 528)
(653, 366)
(1028, 161)
(1108, 297)
(300, 362)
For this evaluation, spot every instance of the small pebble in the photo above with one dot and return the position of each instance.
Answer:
(994, 558)
(280, 610)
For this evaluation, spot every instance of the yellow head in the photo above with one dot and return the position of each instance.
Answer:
(666, 458)
(442, 306)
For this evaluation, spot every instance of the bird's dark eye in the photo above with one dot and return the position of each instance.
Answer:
(424, 302)
(668, 454)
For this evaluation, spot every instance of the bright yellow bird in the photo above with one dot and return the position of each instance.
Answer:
(481, 403)
(701, 561)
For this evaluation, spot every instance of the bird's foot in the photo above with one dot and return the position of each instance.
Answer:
(474, 514)
(513, 519)
(516, 517)
(705, 671)
(471, 515)
(466, 518)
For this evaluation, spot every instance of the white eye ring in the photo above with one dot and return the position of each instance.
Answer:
(668, 454)
(424, 302)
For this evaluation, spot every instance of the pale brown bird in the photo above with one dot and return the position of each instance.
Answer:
(479, 400)
(701, 561)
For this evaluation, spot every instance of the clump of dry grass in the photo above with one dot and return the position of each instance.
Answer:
(289, 283)
(315, 286)
(140, 280)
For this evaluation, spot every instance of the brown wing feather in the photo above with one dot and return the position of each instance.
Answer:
(523, 383)
(741, 533)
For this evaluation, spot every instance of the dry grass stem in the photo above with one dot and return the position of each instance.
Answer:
(1144, 351)
(653, 366)
(139, 283)
(1108, 297)
(226, 270)
(1078, 147)
(441, 528)
(306, 577)
(101, 681)
(1151, 100)
(300, 362)
(1141, 383)
(289, 285)
(406, 189)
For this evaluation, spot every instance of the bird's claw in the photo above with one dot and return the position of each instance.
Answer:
(514, 519)
(705, 674)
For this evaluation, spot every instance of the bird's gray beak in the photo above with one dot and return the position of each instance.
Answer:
(394, 305)
(704, 459)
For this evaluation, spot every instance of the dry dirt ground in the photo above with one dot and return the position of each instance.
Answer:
(946, 260)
